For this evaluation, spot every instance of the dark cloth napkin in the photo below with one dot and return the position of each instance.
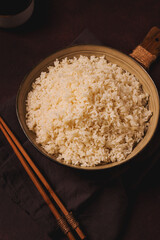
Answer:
(100, 200)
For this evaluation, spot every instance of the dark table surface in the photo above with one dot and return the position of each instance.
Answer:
(54, 25)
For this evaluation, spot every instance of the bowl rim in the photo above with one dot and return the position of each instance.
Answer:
(85, 46)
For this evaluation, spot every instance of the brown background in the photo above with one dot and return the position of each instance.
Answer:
(54, 25)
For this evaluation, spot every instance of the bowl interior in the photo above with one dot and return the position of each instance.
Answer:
(114, 56)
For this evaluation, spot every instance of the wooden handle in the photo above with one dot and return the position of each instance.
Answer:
(147, 52)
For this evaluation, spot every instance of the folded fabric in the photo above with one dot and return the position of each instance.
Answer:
(99, 199)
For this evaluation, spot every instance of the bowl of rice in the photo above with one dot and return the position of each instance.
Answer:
(88, 107)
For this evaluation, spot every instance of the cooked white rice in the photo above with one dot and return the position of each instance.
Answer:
(87, 111)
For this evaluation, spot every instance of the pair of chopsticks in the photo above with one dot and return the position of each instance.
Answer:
(37, 179)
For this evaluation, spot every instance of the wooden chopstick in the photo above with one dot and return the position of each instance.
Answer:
(20, 152)
(60, 220)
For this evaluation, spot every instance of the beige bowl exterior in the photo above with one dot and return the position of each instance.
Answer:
(114, 56)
